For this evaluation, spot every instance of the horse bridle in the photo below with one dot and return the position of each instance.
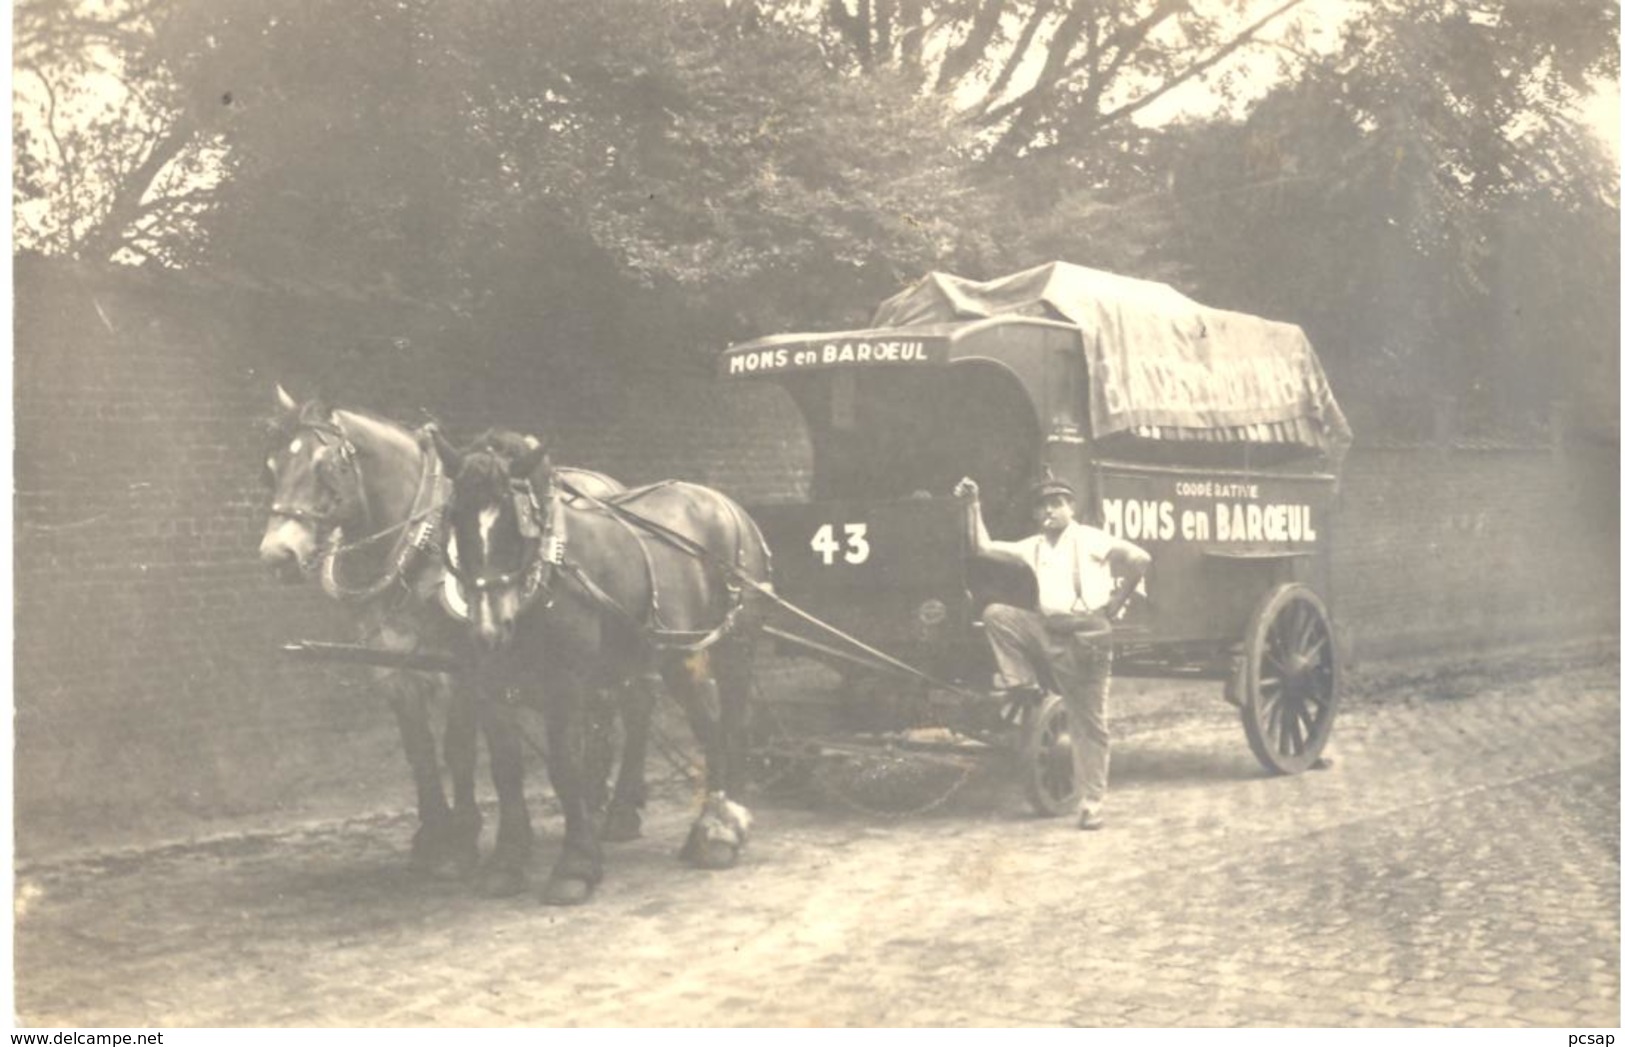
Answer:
(543, 548)
(417, 531)
(328, 435)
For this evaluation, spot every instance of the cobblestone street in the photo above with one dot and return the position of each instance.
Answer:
(1458, 865)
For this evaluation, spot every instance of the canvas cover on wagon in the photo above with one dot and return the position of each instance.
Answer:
(1161, 366)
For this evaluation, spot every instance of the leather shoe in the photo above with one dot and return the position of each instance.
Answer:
(1091, 821)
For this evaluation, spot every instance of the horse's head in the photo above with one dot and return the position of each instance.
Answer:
(315, 486)
(495, 530)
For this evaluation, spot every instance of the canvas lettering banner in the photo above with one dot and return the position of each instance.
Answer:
(885, 349)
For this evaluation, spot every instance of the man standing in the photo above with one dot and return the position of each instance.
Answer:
(1085, 576)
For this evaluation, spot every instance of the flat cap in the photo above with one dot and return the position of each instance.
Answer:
(1045, 488)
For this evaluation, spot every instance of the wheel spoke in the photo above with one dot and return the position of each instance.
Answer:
(1313, 623)
(1279, 729)
(1307, 618)
(1313, 642)
(1321, 646)
(1276, 634)
(1294, 734)
(1268, 704)
(1290, 678)
(1292, 625)
(1281, 638)
(1308, 719)
(1273, 720)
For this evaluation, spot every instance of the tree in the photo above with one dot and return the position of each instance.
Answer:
(110, 161)
(656, 174)
(734, 157)
(1052, 93)
(1050, 75)
(518, 159)
(1389, 199)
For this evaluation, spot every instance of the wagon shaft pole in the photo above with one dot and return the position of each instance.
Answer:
(423, 661)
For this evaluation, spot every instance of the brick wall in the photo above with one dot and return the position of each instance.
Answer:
(149, 697)
(148, 691)
(1475, 546)
(143, 680)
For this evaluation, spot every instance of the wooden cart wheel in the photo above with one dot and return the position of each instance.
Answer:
(1046, 759)
(1287, 682)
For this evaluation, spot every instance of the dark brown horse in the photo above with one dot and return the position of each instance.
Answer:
(359, 501)
(568, 595)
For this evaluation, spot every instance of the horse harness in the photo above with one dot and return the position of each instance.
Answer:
(328, 435)
(418, 531)
(547, 557)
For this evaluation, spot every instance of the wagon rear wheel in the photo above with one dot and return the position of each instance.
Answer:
(1288, 680)
(1046, 758)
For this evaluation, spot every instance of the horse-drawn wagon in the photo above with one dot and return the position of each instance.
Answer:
(1210, 438)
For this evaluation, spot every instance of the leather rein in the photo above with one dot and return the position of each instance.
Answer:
(546, 557)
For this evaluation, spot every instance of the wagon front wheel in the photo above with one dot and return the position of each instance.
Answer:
(1288, 682)
(1046, 759)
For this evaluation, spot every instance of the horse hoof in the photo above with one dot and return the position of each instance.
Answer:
(447, 870)
(705, 853)
(566, 891)
(466, 863)
(465, 836)
(621, 824)
(420, 863)
(503, 882)
(430, 863)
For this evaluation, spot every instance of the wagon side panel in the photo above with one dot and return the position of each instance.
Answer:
(1220, 540)
(891, 574)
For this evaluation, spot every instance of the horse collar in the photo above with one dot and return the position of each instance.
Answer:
(416, 535)
(542, 527)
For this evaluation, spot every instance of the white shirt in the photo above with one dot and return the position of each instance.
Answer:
(1074, 573)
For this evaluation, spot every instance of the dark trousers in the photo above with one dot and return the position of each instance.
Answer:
(1029, 655)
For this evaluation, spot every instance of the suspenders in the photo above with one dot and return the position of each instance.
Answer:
(1077, 574)
(1077, 568)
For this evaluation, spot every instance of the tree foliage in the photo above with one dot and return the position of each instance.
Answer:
(659, 174)
(508, 152)
(1391, 197)
(111, 162)
(1049, 75)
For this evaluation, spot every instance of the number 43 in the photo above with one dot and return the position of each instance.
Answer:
(856, 549)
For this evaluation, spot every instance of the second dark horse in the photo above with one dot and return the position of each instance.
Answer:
(356, 501)
(569, 595)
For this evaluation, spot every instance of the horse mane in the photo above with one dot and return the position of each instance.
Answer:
(482, 481)
(488, 467)
(281, 426)
(504, 442)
